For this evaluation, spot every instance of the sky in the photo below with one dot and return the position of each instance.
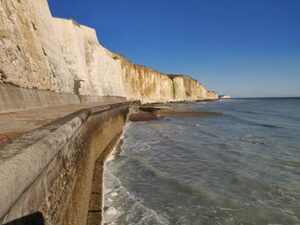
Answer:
(242, 48)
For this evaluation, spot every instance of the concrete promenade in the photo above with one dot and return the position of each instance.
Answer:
(14, 124)
(51, 161)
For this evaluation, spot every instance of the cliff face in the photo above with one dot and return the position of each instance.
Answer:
(92, 66)
(144, 83)
(186, 88)
(149, 85)
(38, 51)
(30, 55)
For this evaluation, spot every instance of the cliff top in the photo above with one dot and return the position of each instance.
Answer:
(171, 76)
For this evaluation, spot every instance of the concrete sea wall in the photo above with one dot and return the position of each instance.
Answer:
(50, 170)
(16, 99)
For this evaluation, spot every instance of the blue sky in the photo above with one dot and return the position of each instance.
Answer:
(244, 48)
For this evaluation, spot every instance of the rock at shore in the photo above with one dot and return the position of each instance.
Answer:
(147, 113)
(111, 211)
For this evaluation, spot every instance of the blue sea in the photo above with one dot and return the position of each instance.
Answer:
(240, 168)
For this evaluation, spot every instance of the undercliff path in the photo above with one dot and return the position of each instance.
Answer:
(14, 124)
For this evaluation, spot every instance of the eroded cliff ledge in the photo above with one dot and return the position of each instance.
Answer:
(39, 51)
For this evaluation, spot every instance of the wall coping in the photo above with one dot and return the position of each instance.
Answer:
(23, 160)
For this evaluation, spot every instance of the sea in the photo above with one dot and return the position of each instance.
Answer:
(239, 168)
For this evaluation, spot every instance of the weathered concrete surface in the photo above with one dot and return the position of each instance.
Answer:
(51, 169)
(15, 98)
(100, 138)
(96, 197)
(13, 124)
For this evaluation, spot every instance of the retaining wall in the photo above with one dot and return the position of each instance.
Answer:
(16, 98)
(50, 171)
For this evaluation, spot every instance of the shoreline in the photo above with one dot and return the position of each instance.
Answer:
(145, 112)
(227, 150)
(75, 148)
(110, 157)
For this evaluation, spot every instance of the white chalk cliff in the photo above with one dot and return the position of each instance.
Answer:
(38, 51)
